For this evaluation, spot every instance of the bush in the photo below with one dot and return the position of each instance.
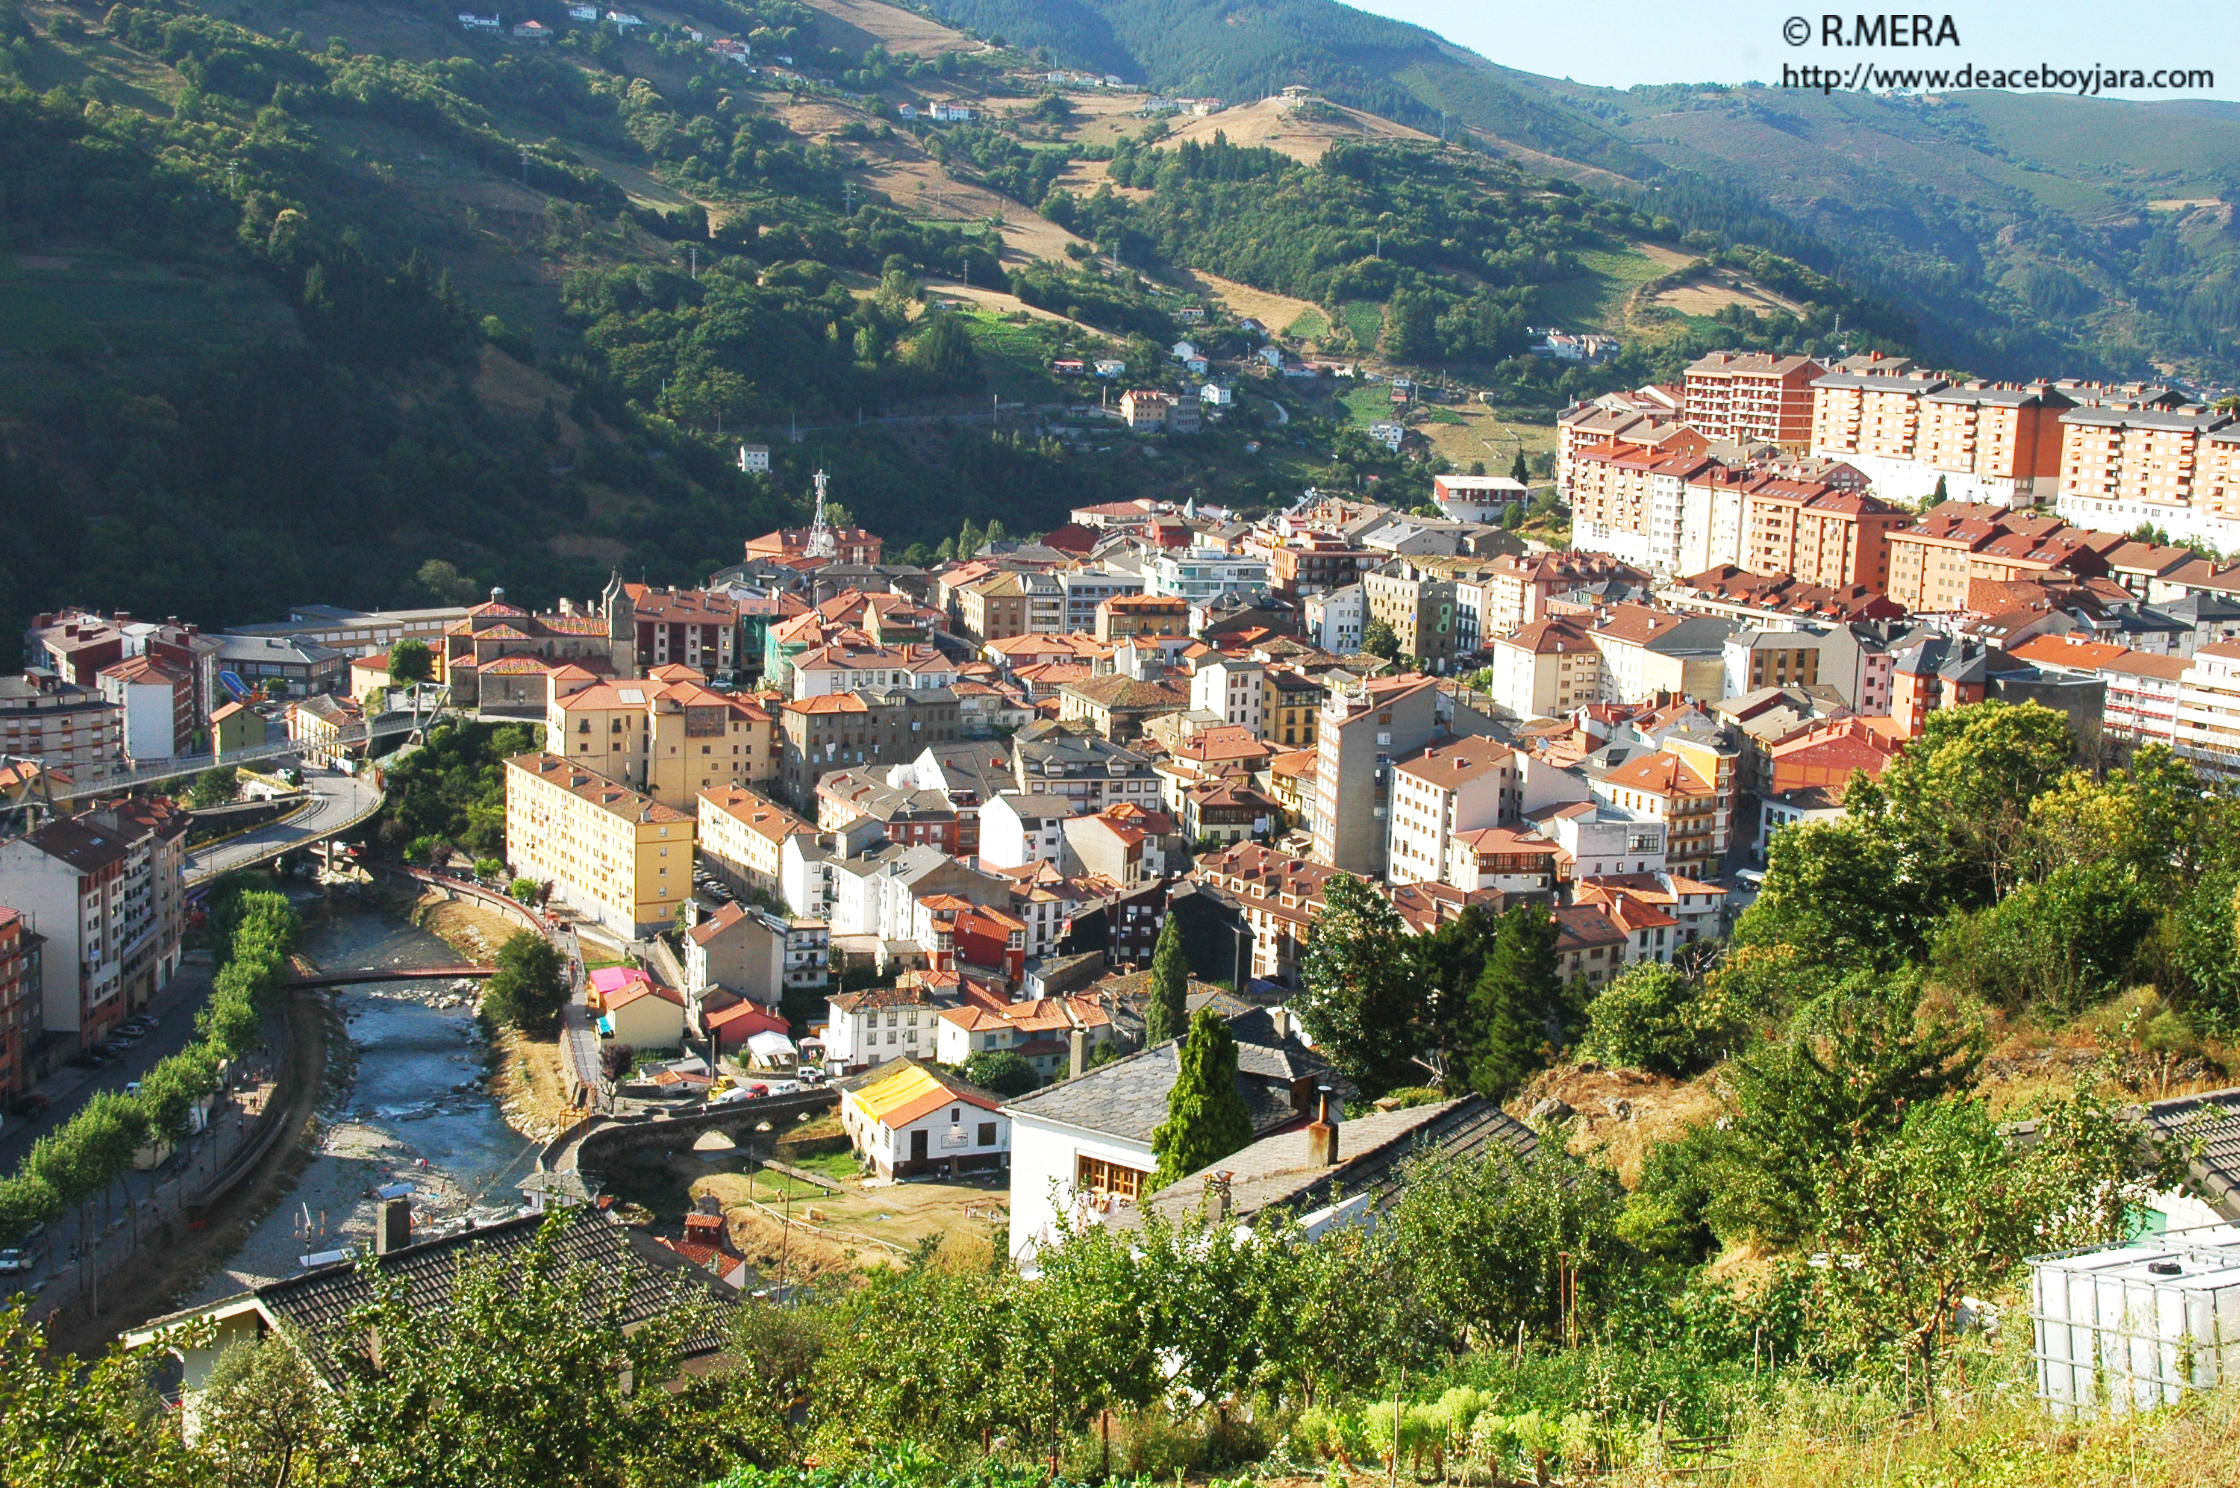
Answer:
(530, 985)
(1641, 1020)
(488, 867)
(524, 889)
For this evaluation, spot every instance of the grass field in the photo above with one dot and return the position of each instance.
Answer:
(1365, 319)
(1012, 354)
(1596, 299)
(1308, 325)
(840, 1166)
(1371, 403)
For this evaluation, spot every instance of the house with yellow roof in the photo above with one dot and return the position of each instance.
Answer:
(908, 1117)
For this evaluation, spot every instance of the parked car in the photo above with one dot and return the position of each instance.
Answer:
(88, 1059)
(28, 1105)
(14, 1262)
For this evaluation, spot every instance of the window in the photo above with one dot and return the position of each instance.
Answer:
(987, 1134)
(1106, 1179)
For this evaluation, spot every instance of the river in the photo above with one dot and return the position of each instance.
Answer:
(414, 1110)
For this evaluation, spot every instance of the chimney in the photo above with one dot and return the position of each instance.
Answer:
(1322, 1133)
(1077, 1052)
(392, 1226)
(1217, 1194)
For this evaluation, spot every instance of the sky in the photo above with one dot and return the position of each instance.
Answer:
(1619, 43)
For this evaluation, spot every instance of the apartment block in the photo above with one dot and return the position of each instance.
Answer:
(1819, 533)
(1752, 397)
(1659, 431)
(1417, 600)
(842, 730)
(22, 1014)
(741, 836)
(1545, 669)
(617, 856)
(59, 723)
(1362, 732)
(107, 889)
(1442, 792)
(2125, 463)
(1081, 590)
(670, 736)
(1695, 808)
(1002, 605)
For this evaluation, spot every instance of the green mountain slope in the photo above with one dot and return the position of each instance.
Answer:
(293, 302)
(2029, 234)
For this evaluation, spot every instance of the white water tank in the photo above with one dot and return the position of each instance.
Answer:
(2133, 1326)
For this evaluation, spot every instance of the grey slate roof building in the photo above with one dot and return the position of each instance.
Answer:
(313, 1310)
(2205, 1130)
(1282, 1170)
(1127, 1099)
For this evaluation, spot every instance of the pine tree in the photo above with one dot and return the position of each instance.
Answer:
(1206, 1118)
(1517, 470)
(1515, 993)
(1168, 1015)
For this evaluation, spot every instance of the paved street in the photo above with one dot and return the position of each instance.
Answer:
(70, 1088)
(337, 801)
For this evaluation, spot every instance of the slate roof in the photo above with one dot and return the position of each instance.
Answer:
(1372, 1155)
(2206, 1129)
(318, 1304)
(1127, 1098)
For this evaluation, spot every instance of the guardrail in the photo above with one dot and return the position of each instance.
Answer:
(147, 772)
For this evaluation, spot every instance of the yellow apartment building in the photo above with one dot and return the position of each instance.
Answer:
(609, 853)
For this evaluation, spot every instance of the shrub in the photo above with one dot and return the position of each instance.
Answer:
(1641, 1020)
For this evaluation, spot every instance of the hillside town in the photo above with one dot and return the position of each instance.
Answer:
(958, 855)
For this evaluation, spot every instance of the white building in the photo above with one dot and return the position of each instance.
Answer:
(1233, 689)
(906, 1118)
(1601, 839)
(1476, 498)
(1086, 588)
(1018, 829)
(1449, 788)
(107, 890)
(754, 459)
(871, 1027)
(1335, 617)
(1081, 1149)
(2208, 724)
(1201, 574)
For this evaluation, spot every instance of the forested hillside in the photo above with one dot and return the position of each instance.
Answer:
(2027, 234)
(280, 287)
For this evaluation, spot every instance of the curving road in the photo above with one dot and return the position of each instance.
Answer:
(337, 802)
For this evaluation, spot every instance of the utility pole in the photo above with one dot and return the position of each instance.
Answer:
(524, 167)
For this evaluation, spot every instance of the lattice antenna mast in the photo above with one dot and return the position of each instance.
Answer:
(821, 542)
